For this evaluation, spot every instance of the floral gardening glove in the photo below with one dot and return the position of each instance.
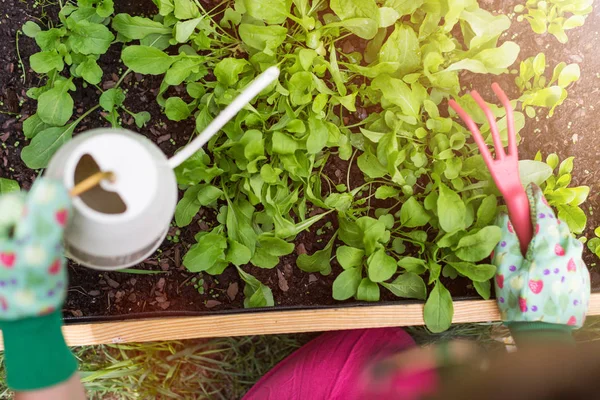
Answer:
(549, 289)
(33, 282)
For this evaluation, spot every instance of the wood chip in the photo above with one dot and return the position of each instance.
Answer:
(77, 313)
(177, 257)
(161, 299)
(160, 285)
(232, 290)
(212, 303)
(163, 138)
(300, 248)
(165, 305)
(94, 293)
(132, 298)
(288, 270)
(282, 282)
(312, 278)
(111, 282)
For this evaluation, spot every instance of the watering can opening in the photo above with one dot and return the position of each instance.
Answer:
(97, 198)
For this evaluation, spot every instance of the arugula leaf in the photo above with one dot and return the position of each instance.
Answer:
(188, 206)
(475, 272)
(402, 48)
(451, 209)
(412, 214)
(346, 284)
(438, 310)
(176, 109)
(271, 11)
(8, 185)
(319, 261)
(367, 291)
(45, 61)
(147, 60)
(380, 266)
(204, 254)
(38, 153)
(138, 27)
(408, 285)
(478, 246)
(264, 38)
(256, 294)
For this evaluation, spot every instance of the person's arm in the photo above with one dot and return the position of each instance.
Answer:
(543, 296)
(33, 285)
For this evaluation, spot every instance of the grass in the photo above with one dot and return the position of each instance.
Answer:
(226, 368)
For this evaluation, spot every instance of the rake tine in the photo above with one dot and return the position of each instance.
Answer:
(512, 137)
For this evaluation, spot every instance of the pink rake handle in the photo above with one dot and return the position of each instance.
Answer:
(505, 167)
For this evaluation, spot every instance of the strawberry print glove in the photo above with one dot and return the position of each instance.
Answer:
(550, 287)
(33, 282)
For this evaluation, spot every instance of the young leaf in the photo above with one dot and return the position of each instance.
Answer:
(478, 246)
(385, 192)
(8, 185)
(475, 272)
(138, 27)
(349, 257)
(319, 261)
(438, 310)
(147, 60)
(43, 146)
(90, 71)
(451, 209)
(188, 206)
(239, 223)
(367, 291)
(141, 118)
(346, 284)
(412, 214)
(533, 171)
(402, 48)
(487, 211)
(88, 38)
(263, 38)
(46, 61)
(237, 253)
(256, 294)
(204, 254)
(408, 285)
(31, 29)
(412, 264)
(176, 109)
(55, 107)
(34, 125)
(380, 266)
(483, 288)
(112, 99)
(573, 216)
(228, 70)
(273, 12)
(185, 9)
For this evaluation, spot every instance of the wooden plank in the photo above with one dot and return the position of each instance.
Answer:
(276, 322)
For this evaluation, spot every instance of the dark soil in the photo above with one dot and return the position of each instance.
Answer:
(572, 131)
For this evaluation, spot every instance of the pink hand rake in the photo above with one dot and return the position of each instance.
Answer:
(505, 167)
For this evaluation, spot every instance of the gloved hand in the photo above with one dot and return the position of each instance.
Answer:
(33, 286)
(550, 287)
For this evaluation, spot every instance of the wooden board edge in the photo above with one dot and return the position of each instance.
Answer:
(277, 322)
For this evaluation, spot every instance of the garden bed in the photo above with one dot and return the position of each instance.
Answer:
(173, 290)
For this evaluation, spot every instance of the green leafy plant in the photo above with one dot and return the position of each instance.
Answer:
(538, 90)
(554, 16)
(594, 243)
(8, 185)
(414, 203)
(72, 48)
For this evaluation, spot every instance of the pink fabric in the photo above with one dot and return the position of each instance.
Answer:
(333, 366)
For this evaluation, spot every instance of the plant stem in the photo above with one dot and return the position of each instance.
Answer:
(23, 76)
(122, 77)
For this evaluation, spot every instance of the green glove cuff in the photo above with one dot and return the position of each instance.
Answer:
(36, 354)
(536, 332)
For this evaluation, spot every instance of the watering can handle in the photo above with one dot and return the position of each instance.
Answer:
(257, 86)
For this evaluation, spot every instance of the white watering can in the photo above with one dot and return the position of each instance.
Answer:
(124, 220)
